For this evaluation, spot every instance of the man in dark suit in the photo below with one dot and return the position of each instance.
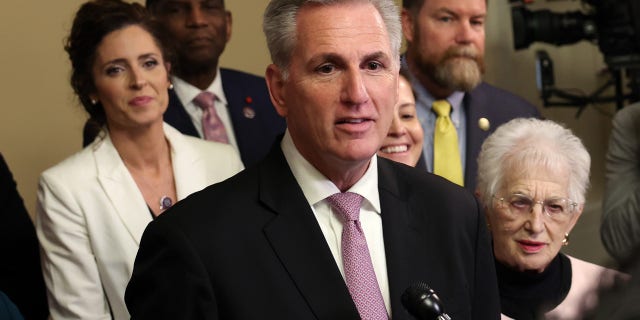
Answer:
(445, 57)
(276, 244)
(199, 31)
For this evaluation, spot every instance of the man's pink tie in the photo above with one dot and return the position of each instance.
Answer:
(358, 269)
(212, 127)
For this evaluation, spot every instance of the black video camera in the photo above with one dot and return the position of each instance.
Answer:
(613, 24)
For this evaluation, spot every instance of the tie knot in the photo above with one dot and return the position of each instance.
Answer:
(347, 204)
(441, 107)
(205, 100)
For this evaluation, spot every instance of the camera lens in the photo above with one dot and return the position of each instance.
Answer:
(546, 26)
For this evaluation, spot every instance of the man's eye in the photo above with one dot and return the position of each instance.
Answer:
(479, 23)
(326, 68)
(171, 9)
(212, 6)
(374, 65)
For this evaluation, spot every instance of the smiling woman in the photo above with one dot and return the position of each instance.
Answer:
(93, 207)
(404, 139)
(532, 179)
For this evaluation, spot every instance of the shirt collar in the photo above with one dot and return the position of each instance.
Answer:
(186, 92)
(316, 187)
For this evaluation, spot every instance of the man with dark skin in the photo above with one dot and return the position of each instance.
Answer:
(200, 31)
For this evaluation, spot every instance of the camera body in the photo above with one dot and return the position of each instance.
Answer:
(614, 25)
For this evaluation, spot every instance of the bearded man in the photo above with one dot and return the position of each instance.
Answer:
(445, 59)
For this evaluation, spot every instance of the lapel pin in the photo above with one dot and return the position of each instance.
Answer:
(484, 124)
(248, 112)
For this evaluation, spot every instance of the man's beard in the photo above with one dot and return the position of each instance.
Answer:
(460, 69)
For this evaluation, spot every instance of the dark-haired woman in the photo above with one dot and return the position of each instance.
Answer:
(94, 206)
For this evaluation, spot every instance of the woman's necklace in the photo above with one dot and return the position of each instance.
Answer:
(165, 202)
(157, 190)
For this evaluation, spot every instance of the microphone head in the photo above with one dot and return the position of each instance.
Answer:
(422, 302)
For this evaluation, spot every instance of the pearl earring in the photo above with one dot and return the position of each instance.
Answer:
(170, 86)
(565, 241)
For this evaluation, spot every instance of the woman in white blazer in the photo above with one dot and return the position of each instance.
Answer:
(94, 206)
(532, 179)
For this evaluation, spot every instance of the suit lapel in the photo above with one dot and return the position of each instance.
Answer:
(299, 243)
(396, 228)
(177, 116)
(242, 126)
(188, 165)
(121, 190)
(476, 108)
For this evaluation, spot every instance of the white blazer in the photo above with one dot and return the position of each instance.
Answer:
(91, 215)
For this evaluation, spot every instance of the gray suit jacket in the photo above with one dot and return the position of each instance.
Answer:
(620, 229)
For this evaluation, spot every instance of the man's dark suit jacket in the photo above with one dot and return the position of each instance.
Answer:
(245, 93)
(20, 275)
(256, 124)
(251, 248)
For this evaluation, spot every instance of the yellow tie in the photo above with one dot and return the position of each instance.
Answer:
(446, 156)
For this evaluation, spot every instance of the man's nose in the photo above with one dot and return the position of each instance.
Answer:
(355, 90)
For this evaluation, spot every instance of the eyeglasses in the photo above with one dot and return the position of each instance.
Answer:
(558, 209)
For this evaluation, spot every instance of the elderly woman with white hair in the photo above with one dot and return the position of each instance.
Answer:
(532, 179)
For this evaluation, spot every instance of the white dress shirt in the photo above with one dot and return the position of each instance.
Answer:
(316, 188)
(187, 92)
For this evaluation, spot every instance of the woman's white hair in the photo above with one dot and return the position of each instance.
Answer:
(524, 144)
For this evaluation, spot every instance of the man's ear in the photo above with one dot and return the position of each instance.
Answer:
(229, 25)
(407, 25)
(275, 83)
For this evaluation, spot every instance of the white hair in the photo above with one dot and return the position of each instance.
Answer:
(529, 143)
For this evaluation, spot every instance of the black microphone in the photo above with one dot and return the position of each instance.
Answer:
(423, 303)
